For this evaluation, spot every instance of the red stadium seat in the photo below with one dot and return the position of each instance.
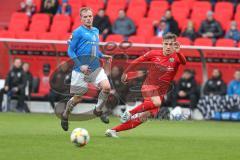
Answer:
(15, 27)
(120, 3)
(65, 36)
(137, 39)
(224, 8)
(62, 18)
(156, 40)
(7, 34)
(113, 11)
(197, 22)
(184, 41)
(38, 4)
(156, 14)
(40, 22)
(237, 15)
(203, 42)
(189, 2)
(60, 28)
(61, 24)
(77, 22)
(157, 9)
(26, 35)
(147, 31)
(94, 4)
(199, 11)
(18, 22)
(145, 21)
(136, 15)
(76, 25)
(114, 38)
(159, 5)
(224, 21)
(201, 5)
(76, 5)
(138, 4)
(112, 14)
(225, 43)
(180, 9)
(48, 36)
(182, 24)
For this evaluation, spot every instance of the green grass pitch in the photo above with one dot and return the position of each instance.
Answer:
(39, 137)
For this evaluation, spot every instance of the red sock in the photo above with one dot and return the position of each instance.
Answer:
(146, 105)
(128, 125)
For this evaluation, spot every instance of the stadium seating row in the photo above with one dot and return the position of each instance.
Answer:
(118, 38)
(40, 24)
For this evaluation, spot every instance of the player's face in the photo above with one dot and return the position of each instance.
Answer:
(87, 18)
(169, 46)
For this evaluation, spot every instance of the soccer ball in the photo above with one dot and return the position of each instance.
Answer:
(80, 137)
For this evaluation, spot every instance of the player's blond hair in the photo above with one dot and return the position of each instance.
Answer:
(84, 9)
(170, 36)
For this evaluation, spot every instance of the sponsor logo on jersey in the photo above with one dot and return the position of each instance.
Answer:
(171, 60)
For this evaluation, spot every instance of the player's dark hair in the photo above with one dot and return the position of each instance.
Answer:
(84, 9)
(170, 36)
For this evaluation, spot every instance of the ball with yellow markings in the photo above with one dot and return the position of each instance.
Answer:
(80, 137)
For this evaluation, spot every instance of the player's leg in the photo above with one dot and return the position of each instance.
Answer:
(69, 107)
(152, 99)
(78, 88)
(101, 81)
(102, 97)
(132, 123)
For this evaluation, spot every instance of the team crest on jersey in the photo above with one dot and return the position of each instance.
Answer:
(171, 60)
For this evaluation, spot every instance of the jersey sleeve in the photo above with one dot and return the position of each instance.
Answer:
(74, 40)
(181, 58)
(100, 54)
(137, 61)
(72, 47)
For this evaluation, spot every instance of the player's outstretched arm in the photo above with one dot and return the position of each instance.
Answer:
(127, 74)
(135, 62)
(181, 57)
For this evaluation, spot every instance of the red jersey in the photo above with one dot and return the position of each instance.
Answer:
(161, 69)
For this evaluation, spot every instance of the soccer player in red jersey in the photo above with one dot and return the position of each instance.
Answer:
(163, 68)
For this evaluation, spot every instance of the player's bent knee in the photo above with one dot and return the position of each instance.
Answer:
(157, 102)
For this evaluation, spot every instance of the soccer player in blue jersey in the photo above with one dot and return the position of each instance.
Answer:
(83, 49)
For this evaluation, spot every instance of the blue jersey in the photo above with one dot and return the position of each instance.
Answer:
(234, 88)
(83, 48)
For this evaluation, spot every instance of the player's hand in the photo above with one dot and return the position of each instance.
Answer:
(124, 78)
(177, 47)
(85, 69)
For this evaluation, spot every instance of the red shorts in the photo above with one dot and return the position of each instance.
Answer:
(149, 91)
